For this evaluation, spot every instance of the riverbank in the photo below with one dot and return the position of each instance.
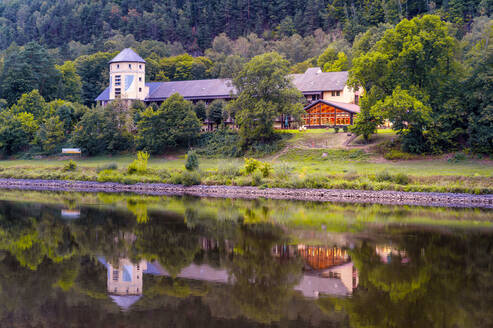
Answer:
(320, 195)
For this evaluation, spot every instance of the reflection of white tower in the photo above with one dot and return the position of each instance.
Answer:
(125, 282)
(127, 76)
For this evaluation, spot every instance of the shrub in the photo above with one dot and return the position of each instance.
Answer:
(251, 165)
(396, 155)
(70, 166)
(110, 166)
(192, 162)
(265, 169)
(109, 176)
(336, 129)
(345, 128)
(383, 176)
(140, 164)
(457, 157)
(257, 178)
(401, 179)
(190, 178)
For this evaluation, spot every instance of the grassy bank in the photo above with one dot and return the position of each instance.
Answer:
(315, 159)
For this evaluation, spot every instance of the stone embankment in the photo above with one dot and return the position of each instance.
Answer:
(321, 195)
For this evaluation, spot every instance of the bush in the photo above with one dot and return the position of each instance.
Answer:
(401, 179)
(192, 162)
(251, 165)
(265, 169)
(109, 176)
(256, 178)
(394, 154)
(383, 176)
(345, 128)
(190, 178)
(140, 164)
(457, 157)
(70, 166)
(110, 166)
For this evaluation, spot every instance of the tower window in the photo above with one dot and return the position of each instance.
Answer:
(118, 79)
(118, 93)
(117, 65)
(129, 65)
(140, 66)
(140, 89)
(140, 79)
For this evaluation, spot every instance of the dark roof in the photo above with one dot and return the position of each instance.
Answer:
(195, 89)
(127, 55)
(105, 95)
(314, 80)
(352, 108)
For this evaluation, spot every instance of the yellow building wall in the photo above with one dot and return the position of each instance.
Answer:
(346, 95)
(128, 71)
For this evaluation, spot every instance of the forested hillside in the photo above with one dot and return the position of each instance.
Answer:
(195, 23)
(425, 66)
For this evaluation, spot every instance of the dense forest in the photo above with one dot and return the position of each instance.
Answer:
(426, 66)
(195, 23)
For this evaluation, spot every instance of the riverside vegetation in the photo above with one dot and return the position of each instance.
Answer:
(298, 168)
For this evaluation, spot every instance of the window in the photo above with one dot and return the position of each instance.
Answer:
(118, 80)
(140, 89)
(130, 66)
(140, 66)
(338, 93)
(140, 79)
(333, 93)
(117, 65)
(118, 93)
(115, 275)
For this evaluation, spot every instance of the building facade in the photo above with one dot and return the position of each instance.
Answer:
(329, 101)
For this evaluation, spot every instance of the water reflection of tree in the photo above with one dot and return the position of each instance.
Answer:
(167, 240)
(441, 284)
(262, 285)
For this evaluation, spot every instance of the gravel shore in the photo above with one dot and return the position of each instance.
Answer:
(322, 195)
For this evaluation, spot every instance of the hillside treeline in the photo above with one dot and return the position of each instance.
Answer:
(195, 23)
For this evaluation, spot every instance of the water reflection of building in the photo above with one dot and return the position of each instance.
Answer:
(327, 271)
(124, 283)
(387, 252)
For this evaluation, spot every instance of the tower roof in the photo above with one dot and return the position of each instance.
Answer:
(127, 55)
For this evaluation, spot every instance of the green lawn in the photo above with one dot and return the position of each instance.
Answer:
(311, 159)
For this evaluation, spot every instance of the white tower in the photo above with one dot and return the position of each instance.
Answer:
(127, 76)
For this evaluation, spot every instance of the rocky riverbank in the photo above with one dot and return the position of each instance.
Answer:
(322, 195)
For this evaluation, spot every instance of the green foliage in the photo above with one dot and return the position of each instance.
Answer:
(188, 178)
(70, 166)
(200, 110)
(107, 167)
(192, 162)
(264, 93)
(104, 130)
(28, 68)
(395, 154)
(50, 135)
(266, 169)
(221, 142)
(70, 87)
(16, 132)
(140, 164)
(215, 111)
(251, 165)
(173, 125)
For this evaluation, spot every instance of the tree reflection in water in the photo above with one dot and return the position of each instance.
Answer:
(235, 266)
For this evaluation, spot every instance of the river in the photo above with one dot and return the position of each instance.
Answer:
(123, 260)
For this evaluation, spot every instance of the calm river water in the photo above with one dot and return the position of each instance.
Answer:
(114, 260)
